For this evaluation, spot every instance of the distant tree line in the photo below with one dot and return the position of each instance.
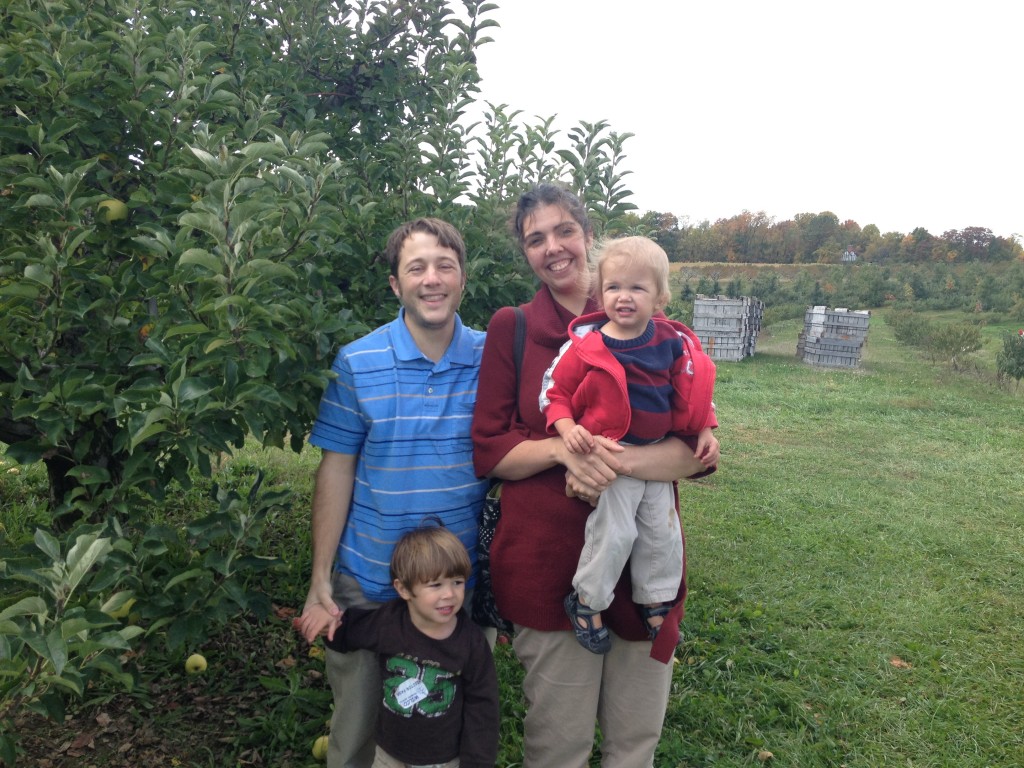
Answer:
(820, 238)
(970, 287)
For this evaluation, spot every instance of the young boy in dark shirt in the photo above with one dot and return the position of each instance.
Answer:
(439, 703)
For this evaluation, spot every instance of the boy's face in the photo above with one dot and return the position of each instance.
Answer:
(629, 296)
(433, 604)
(429, 282)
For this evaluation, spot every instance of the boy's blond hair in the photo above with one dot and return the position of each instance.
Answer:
(429, 553)
(635, 250)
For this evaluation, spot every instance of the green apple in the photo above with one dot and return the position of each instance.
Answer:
(124, 610)
(195, 664)
(320, 748)
(111, 210)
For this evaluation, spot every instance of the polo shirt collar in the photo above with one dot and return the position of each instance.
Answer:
(461, 351)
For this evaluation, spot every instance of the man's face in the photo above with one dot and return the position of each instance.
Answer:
(429, 282)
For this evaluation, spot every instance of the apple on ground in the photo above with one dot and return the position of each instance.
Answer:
(320, 748)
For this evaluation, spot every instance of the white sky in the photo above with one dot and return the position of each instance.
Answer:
(898, 113)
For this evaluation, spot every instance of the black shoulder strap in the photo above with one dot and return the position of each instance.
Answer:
(519, 342)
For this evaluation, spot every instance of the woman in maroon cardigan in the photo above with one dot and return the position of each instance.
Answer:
(544, 513)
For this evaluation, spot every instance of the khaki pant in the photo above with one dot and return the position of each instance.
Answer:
(568, 689)
(635, 521)
(356, 685)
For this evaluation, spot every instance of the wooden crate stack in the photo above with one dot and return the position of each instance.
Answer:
(727, 328)
(833, 337)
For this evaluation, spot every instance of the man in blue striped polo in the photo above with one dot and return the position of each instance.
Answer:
(394, 430)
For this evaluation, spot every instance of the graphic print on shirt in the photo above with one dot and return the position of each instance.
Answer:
(412, 687)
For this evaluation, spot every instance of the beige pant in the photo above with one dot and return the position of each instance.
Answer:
(636, 522)
(384, 760)
(355, 685)
(568, 689)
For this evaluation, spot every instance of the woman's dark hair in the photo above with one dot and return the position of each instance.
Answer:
(548, 193)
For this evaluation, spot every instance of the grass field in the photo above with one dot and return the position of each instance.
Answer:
(856, 568)
(856, 574)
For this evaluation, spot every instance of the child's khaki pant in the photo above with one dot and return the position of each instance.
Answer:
(634, 521)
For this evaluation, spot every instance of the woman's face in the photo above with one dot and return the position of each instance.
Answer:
(556, 249)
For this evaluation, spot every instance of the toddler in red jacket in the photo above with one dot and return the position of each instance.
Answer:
(631, 375)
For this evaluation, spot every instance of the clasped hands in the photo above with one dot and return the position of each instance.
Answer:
(587, 475)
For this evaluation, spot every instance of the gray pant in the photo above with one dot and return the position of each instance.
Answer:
(355, 682)
(568, 688)
(635, 521)
(356, 685)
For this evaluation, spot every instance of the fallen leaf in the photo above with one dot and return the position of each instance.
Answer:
(284, 611)
(899, 663)
(82, 741)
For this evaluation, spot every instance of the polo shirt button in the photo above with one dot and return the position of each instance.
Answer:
(430, 390)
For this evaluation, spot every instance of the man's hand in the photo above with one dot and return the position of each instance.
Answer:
(320, 615)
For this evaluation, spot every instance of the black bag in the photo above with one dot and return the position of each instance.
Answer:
(485, 609)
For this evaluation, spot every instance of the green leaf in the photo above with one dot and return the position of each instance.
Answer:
(206, 222)
(20, 290)
(205, 259)
(47, 544)
(154, 424)
(27, 606)
(185, 328)
(89, 475)
(72, 684)
(37, 273)
(57, 651)
(42, 201)
(8, 627)
(193, 388)
(88, 550)
(71, 627)
(195, 573)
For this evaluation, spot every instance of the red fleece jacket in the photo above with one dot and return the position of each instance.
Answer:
(587, 384)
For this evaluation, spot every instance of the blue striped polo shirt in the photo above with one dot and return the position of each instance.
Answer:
(408, 419)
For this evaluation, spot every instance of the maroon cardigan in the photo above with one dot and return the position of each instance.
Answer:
(537, 544)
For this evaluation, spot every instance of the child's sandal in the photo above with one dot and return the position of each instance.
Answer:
(594, 639)
(650, 612)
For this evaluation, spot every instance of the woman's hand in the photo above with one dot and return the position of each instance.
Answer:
(587, 475)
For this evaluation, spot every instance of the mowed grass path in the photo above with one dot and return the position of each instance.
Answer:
(856, 568)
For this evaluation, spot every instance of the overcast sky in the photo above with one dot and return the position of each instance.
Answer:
(902, 113)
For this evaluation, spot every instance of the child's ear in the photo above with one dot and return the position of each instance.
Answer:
(403, 593)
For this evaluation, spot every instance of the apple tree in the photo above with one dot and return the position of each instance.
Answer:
(193, 197)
